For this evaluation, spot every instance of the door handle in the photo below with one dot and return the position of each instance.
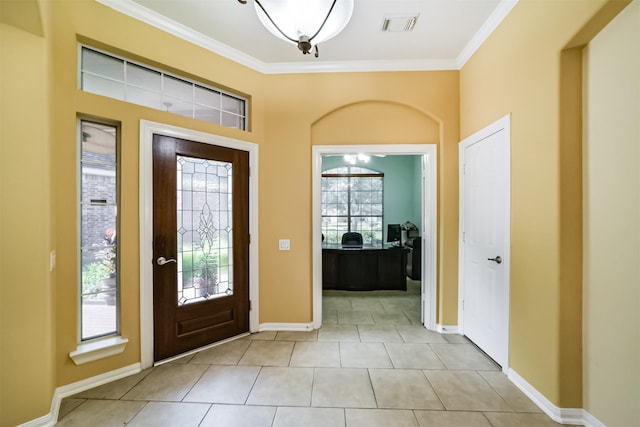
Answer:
(497, 260)
(162, 260)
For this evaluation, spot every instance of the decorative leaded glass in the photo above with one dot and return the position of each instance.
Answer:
(204, 212)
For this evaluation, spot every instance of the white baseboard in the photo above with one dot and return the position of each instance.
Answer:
(74, 388)
(301, 327)
(443, 329)
(574, 416)
(45, 421)
(591, 421)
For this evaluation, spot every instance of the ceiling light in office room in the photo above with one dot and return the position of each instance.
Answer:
(304, 23)
(355, 158)
(399, 24)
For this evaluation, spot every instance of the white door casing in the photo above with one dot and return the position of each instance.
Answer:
(483, 313)
(147, 130)
(428, 226)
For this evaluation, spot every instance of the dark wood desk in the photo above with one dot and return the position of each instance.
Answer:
(364, 269)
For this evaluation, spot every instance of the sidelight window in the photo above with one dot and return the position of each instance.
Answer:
(99, 230)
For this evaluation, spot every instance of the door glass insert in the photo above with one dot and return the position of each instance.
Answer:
(204, 223)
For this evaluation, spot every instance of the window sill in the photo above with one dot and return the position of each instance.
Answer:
(99, 349)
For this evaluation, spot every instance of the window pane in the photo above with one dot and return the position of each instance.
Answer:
(231, 120)
(98, 143)
(102, 86)
(144, 77)
(178, 88)
(98, 317)
(362, 184)
(98, 265)
(145, 97)
(352, 203)
(178, 106)
(102, 65)
(98, 224)
(232, 105)
(376, 184)
(207, 114)
(207, 97)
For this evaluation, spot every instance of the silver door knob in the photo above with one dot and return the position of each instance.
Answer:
(162, 260)
(497, 260)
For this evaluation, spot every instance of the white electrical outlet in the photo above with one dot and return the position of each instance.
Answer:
(284, 244)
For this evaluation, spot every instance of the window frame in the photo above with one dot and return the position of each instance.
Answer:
(243, 117)
(79, 199)
(368, 173)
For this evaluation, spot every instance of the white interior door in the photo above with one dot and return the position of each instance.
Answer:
(484, 234)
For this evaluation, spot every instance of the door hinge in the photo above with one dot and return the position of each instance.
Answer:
(464, 236)
(249, 305)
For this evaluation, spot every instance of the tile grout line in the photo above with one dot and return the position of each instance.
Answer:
(255, 380)
(196, 382)
(205, 414)
(388, 344)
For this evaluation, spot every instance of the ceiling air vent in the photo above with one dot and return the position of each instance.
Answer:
(399, 24)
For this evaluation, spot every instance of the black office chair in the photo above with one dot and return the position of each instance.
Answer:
(352, 239)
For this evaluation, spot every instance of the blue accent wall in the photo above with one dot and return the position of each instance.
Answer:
(402, 188)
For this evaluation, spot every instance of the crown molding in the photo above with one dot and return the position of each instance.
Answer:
(498, 15)
(150, 17)
(361, 66)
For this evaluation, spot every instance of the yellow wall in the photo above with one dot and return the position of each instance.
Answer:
(611, 226)
(89, 22)
(524, 69)
(26, 286)
(346, 108)
(284, 110)
(520, 70)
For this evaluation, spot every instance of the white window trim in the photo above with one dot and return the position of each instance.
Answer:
(102, 347)
(89, 351)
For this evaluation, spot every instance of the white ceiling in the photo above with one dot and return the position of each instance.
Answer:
(445, 36)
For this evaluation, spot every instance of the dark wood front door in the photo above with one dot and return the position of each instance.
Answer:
(200, 244)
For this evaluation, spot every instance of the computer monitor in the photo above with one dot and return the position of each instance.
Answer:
(394, 233)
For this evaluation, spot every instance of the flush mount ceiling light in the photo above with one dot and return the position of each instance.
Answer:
(304, 23)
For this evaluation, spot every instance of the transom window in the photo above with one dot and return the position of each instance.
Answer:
(352, 200)
(107, 75)
(99, 231)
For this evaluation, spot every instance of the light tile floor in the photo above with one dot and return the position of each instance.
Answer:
(371, 364)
